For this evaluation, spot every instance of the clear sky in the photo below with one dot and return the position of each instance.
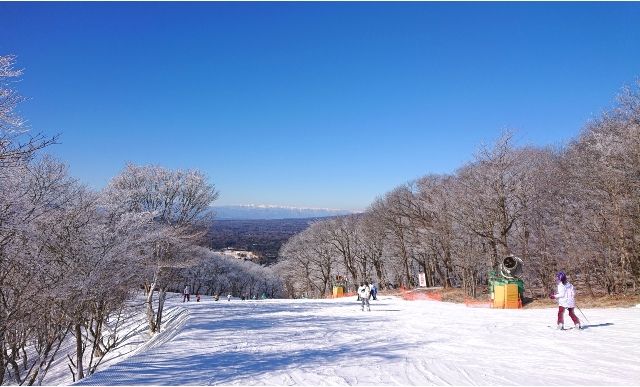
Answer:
(312, 104)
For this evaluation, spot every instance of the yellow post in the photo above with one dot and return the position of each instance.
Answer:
(512, 298)
(499, 296)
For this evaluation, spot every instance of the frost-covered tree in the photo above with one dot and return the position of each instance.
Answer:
(574, 207)
(31, 197)
(218, 274)
(602, 181)
(66, 266)
(179, 202)
(16, 144)
(310, 261)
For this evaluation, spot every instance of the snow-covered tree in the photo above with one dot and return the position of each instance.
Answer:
(16, 144)
(180, 204)
(574, 208)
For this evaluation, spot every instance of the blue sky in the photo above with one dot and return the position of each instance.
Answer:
(312, 104)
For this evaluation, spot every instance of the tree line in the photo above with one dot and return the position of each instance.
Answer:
(574, 207)
(73, 260)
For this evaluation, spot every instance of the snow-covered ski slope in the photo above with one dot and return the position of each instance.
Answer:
(332, 342)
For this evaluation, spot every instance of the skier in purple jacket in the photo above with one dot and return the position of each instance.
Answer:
(566, 296)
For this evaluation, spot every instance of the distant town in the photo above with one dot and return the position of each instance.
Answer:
(239, 254)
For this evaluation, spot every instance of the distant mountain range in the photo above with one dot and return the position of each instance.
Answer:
(252, 211)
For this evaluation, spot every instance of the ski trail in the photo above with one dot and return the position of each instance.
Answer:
(332, 342)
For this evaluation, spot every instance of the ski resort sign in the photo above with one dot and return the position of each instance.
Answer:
(422, 279)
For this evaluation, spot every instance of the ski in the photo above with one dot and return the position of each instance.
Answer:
(555, 328)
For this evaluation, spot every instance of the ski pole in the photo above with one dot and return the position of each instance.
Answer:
(585, 317)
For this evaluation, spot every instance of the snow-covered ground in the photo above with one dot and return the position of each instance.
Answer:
(332, 342)
(134, 337)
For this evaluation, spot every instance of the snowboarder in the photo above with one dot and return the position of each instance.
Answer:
(197, 296)
(566, 299)
(185, 294)
(364, 292)
(216, 297)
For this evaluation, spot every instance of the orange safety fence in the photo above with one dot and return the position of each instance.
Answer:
(410, 295)
(413, 296)
(471, 303)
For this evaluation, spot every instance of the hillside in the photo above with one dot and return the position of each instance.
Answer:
(262, 236)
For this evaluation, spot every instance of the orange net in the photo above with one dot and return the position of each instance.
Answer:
(413, 296)
(471, 303)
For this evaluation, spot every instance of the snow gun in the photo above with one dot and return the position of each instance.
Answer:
(506, 287)
(511, 267)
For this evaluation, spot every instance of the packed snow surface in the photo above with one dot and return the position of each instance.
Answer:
(333, 342)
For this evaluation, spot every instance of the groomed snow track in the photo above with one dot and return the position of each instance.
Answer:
(332, 342)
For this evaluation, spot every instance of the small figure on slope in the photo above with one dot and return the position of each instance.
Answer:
(185, 294)
(374, 291)
(364, 292)
(566, 297)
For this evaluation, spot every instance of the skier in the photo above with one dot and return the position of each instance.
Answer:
(229, 297)
(364, 292)
(185, 294)
(374, 291)
(566, 299)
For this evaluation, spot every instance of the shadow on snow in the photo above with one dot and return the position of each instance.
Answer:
(241, 324)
